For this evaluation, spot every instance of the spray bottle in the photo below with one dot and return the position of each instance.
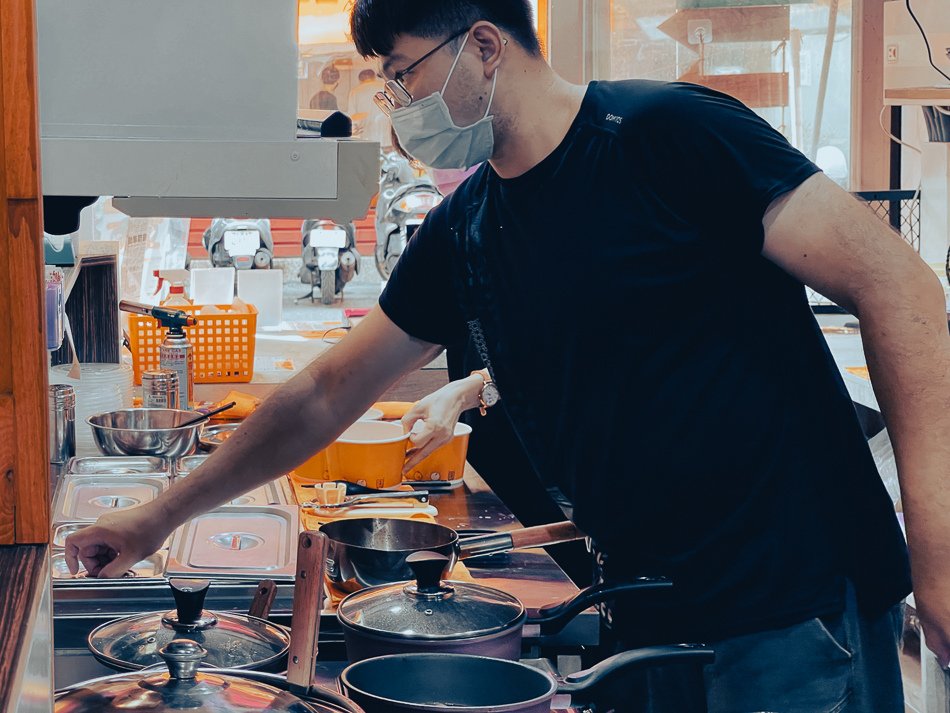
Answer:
(176, 352)
(176, 292)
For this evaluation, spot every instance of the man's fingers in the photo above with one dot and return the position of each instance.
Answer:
(116, 569)
(421, 433)
(72, 558)
(416, 458)
(413, 415)
(436, 439)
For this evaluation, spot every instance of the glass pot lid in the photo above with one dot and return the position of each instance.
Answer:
(429, 608)
(183, 687)
(235, 641)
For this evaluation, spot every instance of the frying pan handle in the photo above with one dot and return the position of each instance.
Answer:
(263, 599)
(539, 536)
(552, 619)
(544, 535)
(623, 663)
(189, 598)
(308, 603)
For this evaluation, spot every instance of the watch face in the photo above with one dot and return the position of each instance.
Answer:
(491, 394)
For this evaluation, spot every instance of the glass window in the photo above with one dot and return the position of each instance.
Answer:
(779, 59)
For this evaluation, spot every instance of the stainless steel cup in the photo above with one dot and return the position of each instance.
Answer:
(62, 423)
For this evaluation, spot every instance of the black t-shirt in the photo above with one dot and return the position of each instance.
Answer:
(664, 375)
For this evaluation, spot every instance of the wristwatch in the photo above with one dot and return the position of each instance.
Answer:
(489, 394)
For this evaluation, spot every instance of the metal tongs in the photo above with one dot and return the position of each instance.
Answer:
(333, 495)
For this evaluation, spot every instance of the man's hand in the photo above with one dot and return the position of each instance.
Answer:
(115, 543)
(431, 421)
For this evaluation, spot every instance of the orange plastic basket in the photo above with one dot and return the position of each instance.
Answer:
(223, 345)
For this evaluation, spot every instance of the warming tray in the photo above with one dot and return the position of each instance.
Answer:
(189, 463)
(273, 493)
(151, 569)
(237, 543)
(269, 494)
(86, 497)
(117, 465)
(64, 530)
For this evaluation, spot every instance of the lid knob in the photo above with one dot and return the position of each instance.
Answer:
(189, 602)
(183, 656)
(428, 568)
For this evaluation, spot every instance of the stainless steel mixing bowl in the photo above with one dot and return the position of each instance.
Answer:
(145, 432)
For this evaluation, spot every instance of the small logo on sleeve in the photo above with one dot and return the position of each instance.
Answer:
(614, 118)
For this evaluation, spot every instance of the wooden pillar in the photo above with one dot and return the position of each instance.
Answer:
(24, 453)
(869, 145)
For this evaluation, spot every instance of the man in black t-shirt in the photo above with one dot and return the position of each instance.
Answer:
(695, 420)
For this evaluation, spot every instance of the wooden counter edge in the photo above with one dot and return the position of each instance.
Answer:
(25, 623)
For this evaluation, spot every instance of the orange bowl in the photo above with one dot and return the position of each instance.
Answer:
(369, 453)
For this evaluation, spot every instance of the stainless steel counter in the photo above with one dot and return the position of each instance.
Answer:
(530, 575)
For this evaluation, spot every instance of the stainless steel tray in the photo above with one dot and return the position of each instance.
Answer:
(213, 436)
(86, 497)
(151, 569)
(273, 493)
(64, 530)
(118, 465)
(189, 463)
(270, 494)
(237, 543)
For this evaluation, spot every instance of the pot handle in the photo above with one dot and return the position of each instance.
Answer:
(189, 598)
(263, 599)
(308, 604)
(637, 659)
(539, 536)
(553, 618)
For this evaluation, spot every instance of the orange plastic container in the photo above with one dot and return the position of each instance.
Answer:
(318, 467)
(447, 462)
(223, 344)
(369, 453)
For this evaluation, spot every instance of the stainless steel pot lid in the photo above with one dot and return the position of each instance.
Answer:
(183, 687)
(429, 608)
(230, 640)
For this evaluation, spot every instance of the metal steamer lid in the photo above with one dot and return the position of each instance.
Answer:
(431, 609)
(234, 641)
(184, 686)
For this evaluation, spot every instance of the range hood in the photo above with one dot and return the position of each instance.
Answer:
(188, 108)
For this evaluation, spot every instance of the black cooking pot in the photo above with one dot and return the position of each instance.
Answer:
(373, 551)
(431, 615)
(457, 683)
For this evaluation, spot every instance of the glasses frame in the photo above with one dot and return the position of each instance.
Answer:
(395, 95)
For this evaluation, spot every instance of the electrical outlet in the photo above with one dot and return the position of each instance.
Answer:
(892, 54)
(699, 32)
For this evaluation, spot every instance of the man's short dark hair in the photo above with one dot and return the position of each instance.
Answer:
(375, 24)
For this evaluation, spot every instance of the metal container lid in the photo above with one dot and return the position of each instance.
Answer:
(62, 395)
(184, 687)
(431, 609)
(235, 641)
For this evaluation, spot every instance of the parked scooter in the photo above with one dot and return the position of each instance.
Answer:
(330, 259)
(243, 244)
(404, 200)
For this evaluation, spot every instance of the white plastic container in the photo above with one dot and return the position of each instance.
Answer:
(265, 290)
(212, 286)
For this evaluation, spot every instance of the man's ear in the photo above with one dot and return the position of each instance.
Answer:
(492, 46)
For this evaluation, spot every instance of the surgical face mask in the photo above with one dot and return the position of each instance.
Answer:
(428, 134)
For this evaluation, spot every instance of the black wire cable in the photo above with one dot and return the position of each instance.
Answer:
(930, 56)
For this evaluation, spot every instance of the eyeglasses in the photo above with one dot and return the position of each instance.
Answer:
(395, 95)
